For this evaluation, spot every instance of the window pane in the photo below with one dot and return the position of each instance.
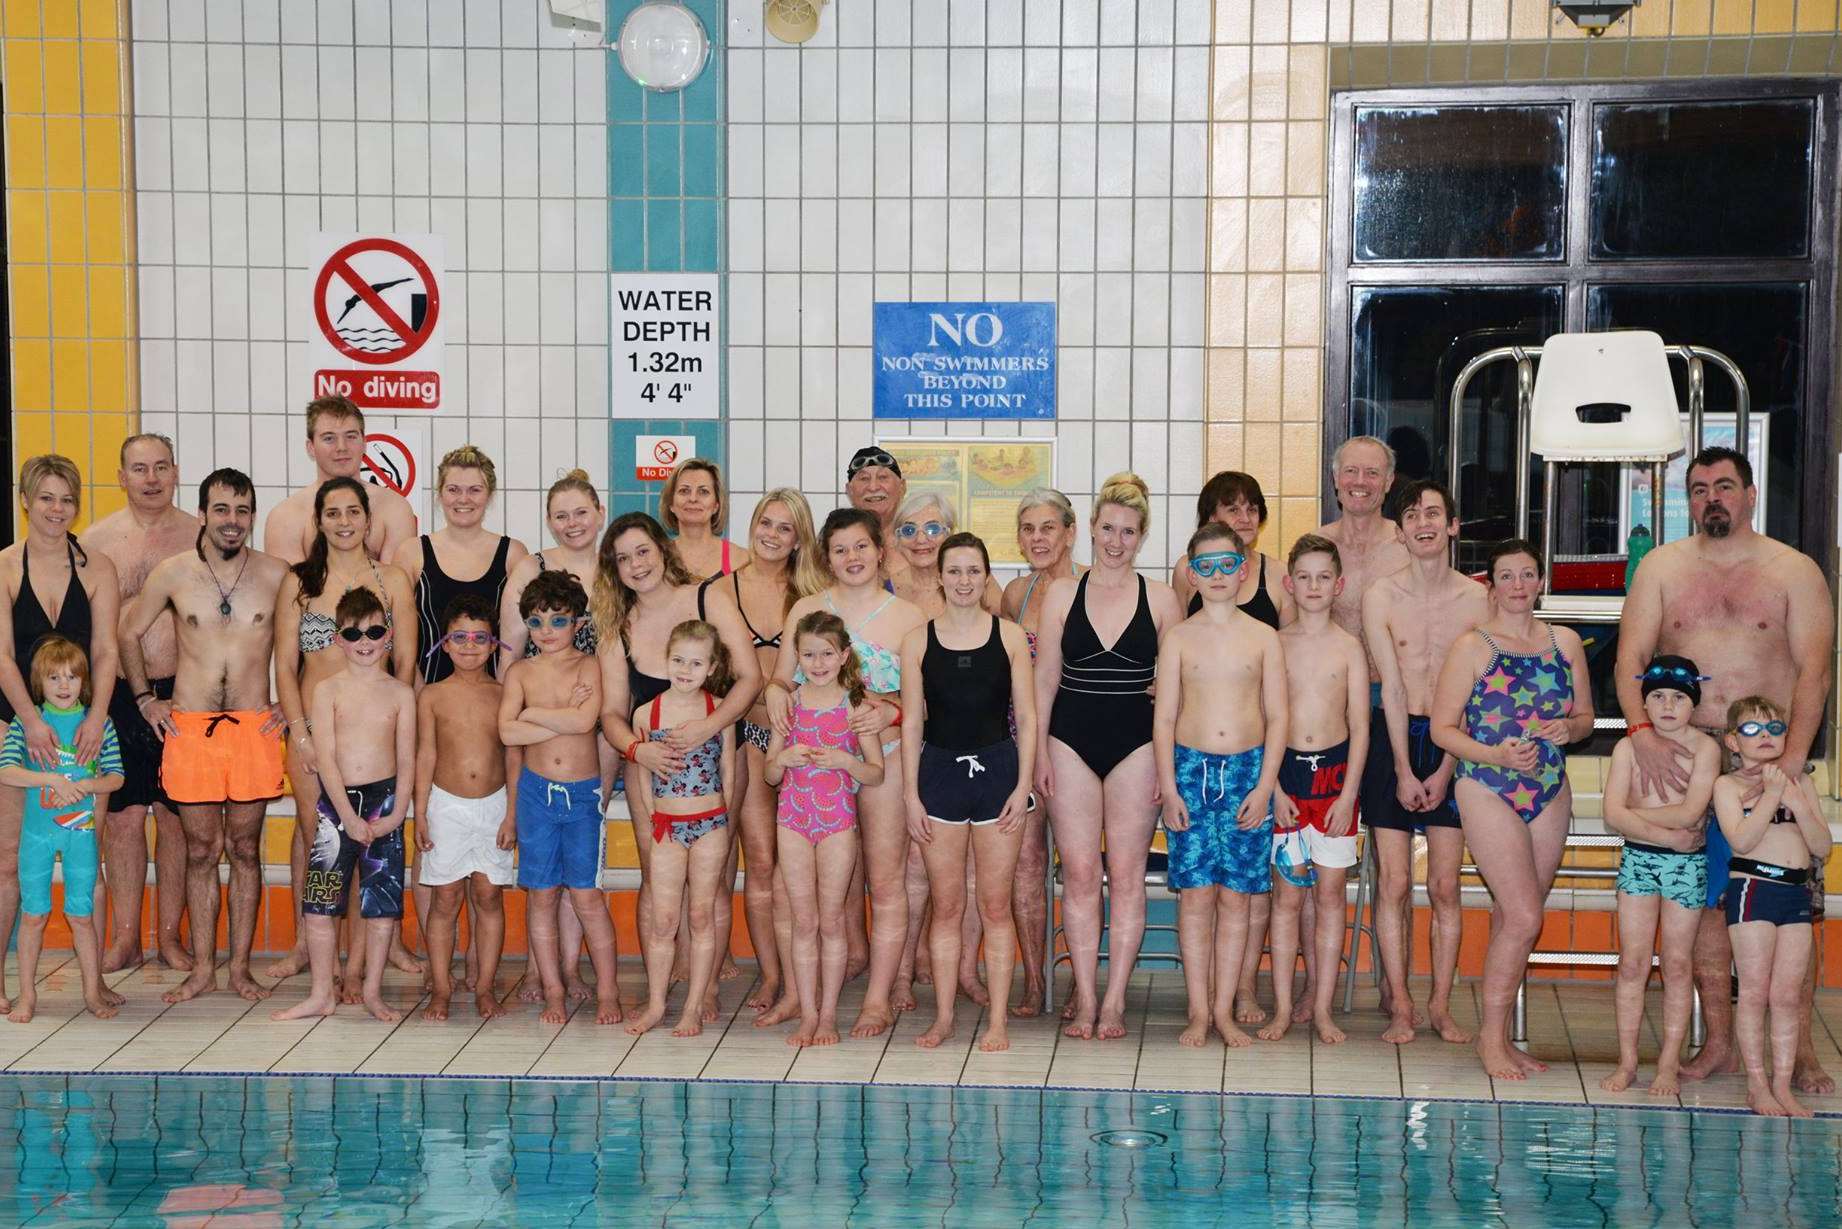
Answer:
(1702, 179)
(1460, 183)
(1761, 328)
(1407, 346)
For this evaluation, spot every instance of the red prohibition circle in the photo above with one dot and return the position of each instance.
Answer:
(665, 452)
(339, 264)
(383, 479)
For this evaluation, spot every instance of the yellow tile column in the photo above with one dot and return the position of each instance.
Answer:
(70, 234)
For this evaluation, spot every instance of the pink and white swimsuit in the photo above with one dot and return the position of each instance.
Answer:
(819, 802)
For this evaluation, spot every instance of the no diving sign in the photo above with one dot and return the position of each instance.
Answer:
(397, 458)
(377, 335)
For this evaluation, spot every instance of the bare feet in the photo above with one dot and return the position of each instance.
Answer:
(1197, 1033)
(647, 1019)
(856, 964)
(1447, 1027)
(437, 1008)
(1112, 1024)
(688, 1026)
(1499, 1063)
(765, 994)
(1276, 1031)
(1416, 1017)
(174, 956)
(111, 997)
(1068, 1007)
(404, 962)
(1664, 1083)
(1232, 1036)
(246, 987)
(1760, 1099)
(1301, 1011)
(1080, 1021)
(578, 990)
(814, 1031)
(1781, 1093)
(102, 1009)
(487, 1005)
(1328, 1032)
(938, 1032)
(294, 962)
(374, 1003)
(997, 1036)
(901, 998)
(1032, 1002)
(1621, 1079)
(118, 958)
(554, 1011)
(1809, 1077)
(351, 991)
(201, 981)
(708, 1016)
(871, 1022)
(309, 1006)
(1247, 1009)
(728, 971)
(531, 990)
(23, 1010)
(1713, 1060)
(1527, 1061)
(974, 989)
(786, 1009)
(1400, 1028)
(607, 1009)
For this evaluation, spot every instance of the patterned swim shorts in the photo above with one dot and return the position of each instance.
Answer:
(1646, 870)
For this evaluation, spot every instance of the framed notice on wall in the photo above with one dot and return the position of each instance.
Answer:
(1715, 429)
(984, 479)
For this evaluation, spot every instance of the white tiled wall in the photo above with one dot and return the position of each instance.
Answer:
(1010, 149)
(261, 122)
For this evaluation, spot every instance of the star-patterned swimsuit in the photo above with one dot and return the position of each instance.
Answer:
(1517, 690)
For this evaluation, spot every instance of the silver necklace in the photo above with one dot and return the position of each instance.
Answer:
(223, 605)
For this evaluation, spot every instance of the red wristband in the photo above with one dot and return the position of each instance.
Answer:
(897, 723)
(628, 753)
(1642, 725)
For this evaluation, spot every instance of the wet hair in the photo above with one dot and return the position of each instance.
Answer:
(805, 570)
(147, 437)
(1046, 496)
(312, 569)
(467, 457)
(553, 589)
(964, 541)
(469, 606)
(333, 406)
(1129, 491)
(840, 520)
(719, 517)
(1412, 492)
(357, 605)
(1714, 454)
(613, 601)
(1215, 531)
(1737, 712)
(54, 653)
(574, 480)
(1226, 489)
(233, 480)
(32, 475)
(722, 671)
(1508, 547)
(1313, 544)
(828, 626)
(1336, 458)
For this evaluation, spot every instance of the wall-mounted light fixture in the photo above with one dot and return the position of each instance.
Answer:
(792, 21)
(662, 45)
(1594, 16)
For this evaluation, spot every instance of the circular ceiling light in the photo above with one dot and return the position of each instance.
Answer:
(663, 46)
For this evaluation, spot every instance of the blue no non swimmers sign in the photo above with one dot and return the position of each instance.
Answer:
(965, 360)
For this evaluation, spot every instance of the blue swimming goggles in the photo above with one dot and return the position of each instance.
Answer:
(1752, 729)
(535, 622)
(908, 530)
(1226, 562)
(1677, 674)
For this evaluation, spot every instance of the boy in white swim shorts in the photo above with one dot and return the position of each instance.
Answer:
(465, 827)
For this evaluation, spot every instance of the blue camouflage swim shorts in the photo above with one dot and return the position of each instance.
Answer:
(1215, 850)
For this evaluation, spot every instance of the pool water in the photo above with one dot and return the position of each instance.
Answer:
(240, 1153)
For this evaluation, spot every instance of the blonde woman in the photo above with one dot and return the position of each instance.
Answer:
(695, 510)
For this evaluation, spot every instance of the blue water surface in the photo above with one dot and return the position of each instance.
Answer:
(261, 1151)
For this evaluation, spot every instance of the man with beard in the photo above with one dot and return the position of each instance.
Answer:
(150, 529)
(336, 442)
(222, 760)
(1756, 615)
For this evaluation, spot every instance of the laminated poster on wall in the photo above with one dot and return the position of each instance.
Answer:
(964, 360)
(376, 331)
(983, 478)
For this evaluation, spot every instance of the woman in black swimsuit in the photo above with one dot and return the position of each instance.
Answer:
(1235, 499)
(782, 567)
(1097, 656)
(51, 586)
(641, 593)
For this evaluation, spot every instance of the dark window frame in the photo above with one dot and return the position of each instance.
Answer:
(1576, 271)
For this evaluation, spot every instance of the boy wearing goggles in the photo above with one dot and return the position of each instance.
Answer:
(364, 722)
(1662, 873)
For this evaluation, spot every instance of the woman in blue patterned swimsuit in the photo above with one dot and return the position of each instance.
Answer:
(1511, 696)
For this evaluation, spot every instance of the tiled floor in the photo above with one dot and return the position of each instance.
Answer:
(1570, 1025)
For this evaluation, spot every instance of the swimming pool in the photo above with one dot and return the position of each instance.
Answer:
(173, 1150)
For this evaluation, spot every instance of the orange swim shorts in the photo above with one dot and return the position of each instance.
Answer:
(221, 757)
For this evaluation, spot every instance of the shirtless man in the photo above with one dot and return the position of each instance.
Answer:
(336, 442)
(1756, 616)
(222, 757)
(874, 483)
(1411, 619)
(150, 529)
(1367, 542)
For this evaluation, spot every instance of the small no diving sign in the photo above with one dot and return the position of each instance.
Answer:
(377, 304)
(656, 456)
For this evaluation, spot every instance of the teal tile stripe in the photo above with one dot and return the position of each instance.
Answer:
(666, 185)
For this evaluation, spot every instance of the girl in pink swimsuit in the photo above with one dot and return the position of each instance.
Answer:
(819, 765)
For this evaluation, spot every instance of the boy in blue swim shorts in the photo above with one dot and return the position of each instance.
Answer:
(1218, 733)
(1662, 874)
(550, 705)
(60, 821)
